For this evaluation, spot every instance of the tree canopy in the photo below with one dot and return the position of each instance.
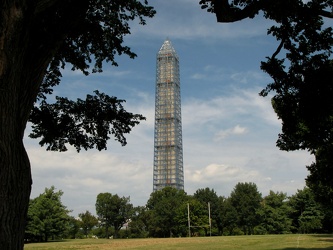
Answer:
(275, 213)
(306, 213)
(208, 196)
(164, 205)
(301, 69)
(88, 221)
(245, 198)
(47, 216)
(114, 211)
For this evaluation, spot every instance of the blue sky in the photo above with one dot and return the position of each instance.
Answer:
(229, 131)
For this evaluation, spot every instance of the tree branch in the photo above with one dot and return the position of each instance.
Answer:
(278, 49)
(44, 4)
(225, 13)
(228, 13)
(327, 14)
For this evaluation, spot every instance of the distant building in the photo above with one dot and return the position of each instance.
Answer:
(168, 145)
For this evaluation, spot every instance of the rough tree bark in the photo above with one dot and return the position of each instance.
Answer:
(15, 177)
(25, 52)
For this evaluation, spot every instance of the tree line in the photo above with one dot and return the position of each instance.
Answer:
(173, 213)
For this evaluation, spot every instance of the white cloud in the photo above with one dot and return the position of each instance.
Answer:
(82, 176)
(239, 106)
(237, 130)
(198, 76)
(217, 73)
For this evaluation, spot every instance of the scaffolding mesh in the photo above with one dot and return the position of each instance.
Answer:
(168, 145)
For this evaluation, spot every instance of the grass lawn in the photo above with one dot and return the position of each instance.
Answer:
(253, 242)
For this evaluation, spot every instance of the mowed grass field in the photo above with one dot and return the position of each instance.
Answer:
(253, 242)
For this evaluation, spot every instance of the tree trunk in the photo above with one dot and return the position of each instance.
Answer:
(20, 76)
(15, 186)
(106, 232)
(15, 173)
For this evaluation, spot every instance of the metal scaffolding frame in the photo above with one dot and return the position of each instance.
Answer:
(168, 145)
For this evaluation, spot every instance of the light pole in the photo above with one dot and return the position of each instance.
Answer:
(210, 223)
(188, 220)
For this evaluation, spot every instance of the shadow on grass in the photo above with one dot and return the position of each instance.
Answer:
(323, 237)
(326, 238)
(322, 248)
(47, 242)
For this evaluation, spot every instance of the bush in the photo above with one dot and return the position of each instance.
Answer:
(260, 230)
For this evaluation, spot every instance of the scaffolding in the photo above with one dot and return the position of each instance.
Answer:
(168, 145)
